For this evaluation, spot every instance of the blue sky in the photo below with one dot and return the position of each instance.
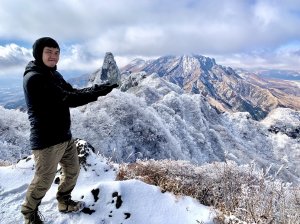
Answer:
(237, 33)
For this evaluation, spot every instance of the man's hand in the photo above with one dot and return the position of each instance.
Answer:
(103, 89)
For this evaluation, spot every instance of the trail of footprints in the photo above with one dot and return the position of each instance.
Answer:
(116, 200)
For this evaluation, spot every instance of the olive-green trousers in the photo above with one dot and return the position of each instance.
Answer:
(46, 162)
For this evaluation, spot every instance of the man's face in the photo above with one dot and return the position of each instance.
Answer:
(50, 56)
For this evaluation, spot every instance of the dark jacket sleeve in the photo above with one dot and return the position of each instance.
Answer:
(77, 97)
(43, 90)
(73, 97)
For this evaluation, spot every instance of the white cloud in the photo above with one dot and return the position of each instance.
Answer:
(74, 57)
(153, 28)
(265, 14)
(12, 54)
(285, 58)
(13, 59)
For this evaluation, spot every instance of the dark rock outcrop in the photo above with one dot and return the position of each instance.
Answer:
(109, 72)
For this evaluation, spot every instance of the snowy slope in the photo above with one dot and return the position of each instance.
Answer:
(107, 201)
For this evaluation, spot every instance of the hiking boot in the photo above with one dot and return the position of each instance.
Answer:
(35, 218)
(69, 205)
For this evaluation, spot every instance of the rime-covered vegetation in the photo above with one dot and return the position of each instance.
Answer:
(154, 119)
(242, 194)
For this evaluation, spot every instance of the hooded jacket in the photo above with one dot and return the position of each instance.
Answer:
(48, 97)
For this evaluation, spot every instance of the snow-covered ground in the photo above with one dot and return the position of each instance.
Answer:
(107, 201)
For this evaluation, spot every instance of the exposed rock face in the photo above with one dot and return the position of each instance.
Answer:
(291, 132)
(224, 88)
(108, 73)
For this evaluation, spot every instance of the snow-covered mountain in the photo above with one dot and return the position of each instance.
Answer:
(223, 87)
(152, 117)
(156, 119)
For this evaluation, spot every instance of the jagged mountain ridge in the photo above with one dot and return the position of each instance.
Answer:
(225, 89)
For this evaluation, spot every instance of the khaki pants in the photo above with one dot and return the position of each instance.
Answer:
(46, 161)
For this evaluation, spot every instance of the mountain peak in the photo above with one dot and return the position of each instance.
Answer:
(203, 62)
(221, 85)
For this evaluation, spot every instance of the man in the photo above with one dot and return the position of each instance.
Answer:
(48, 97)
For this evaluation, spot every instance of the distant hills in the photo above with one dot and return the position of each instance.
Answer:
(278, 74)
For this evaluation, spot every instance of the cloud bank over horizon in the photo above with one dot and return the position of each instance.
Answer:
(236, 33)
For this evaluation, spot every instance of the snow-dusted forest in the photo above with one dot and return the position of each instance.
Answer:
(156, 119)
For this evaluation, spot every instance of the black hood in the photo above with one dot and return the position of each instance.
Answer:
(38, 47)
(40, 44)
